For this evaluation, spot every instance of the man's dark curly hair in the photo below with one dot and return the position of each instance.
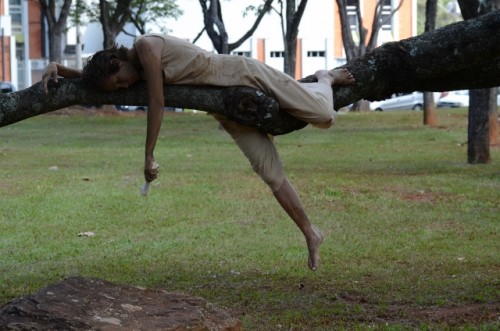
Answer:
(99, 66)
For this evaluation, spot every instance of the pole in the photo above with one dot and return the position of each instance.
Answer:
(78, 50)
(3, 55)
(26, 30)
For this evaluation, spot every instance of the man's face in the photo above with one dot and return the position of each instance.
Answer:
(126, 76)
(114, 82)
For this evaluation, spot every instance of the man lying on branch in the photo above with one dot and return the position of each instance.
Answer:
(160, 60)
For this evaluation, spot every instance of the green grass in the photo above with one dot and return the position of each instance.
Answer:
(410, 226)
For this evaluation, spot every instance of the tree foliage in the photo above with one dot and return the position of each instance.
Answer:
(114, 15)
(150, 11)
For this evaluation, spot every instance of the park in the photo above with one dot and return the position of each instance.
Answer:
(411, 228)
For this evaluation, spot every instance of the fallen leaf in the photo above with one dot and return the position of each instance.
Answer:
(86, 234)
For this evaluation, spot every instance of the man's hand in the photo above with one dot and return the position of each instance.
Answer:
(150, 169)
(49, 74)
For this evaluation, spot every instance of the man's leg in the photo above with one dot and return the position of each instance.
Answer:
(289, 200)
(262, 154)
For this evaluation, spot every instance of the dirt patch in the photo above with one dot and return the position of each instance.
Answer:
(450, 316)
(80, 303)
(89, 111)
(474, 313)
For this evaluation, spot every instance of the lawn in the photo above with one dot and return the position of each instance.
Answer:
(412, 230)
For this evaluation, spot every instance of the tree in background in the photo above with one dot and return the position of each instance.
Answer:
(149, 11)
(483, 111)
(113, 17)
(57, 20)
(216, 30)
(447, 12)
(430, 25)
(290, 21)
(364, 44)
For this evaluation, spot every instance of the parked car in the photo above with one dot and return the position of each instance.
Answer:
(131, 108)
(454, 99)
(457, 99)
(145, 108)
(400, 101)
(7, 87)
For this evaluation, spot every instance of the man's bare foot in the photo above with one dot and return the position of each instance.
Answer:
(313, 244)
(335, 76)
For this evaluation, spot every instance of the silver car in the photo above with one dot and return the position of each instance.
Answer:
(400, 101)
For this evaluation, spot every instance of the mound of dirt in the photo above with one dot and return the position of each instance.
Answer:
(80, 303)
(87, 110)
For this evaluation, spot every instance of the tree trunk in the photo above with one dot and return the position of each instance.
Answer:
(478, 150)
(113, 20)
(55, 46)
(430, 117)
(56, 26)
(361, 106)
(290, 56)
(293, 18)
(493, 118)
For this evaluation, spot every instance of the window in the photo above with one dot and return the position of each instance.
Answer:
(352, 15)
(15, 12)
(315, 53)
(385, 16)
(277, 54)
(241, 53)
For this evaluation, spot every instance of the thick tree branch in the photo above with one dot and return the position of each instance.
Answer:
(464, 55)
(246, 105)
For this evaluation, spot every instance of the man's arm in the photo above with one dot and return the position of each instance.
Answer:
(149, 53)
(53, 69)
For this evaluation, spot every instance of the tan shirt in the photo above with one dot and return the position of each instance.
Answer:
(187, 64)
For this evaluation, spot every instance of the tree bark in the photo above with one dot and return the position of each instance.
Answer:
(493, 118)
(478, 148)
(459, 56)
(464, 55)
(479, 152)
(245, 105)
(430, 117)
(293, 18)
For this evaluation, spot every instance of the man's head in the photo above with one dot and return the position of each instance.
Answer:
(102, 65)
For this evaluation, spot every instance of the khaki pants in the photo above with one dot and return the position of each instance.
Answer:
(259, 148)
